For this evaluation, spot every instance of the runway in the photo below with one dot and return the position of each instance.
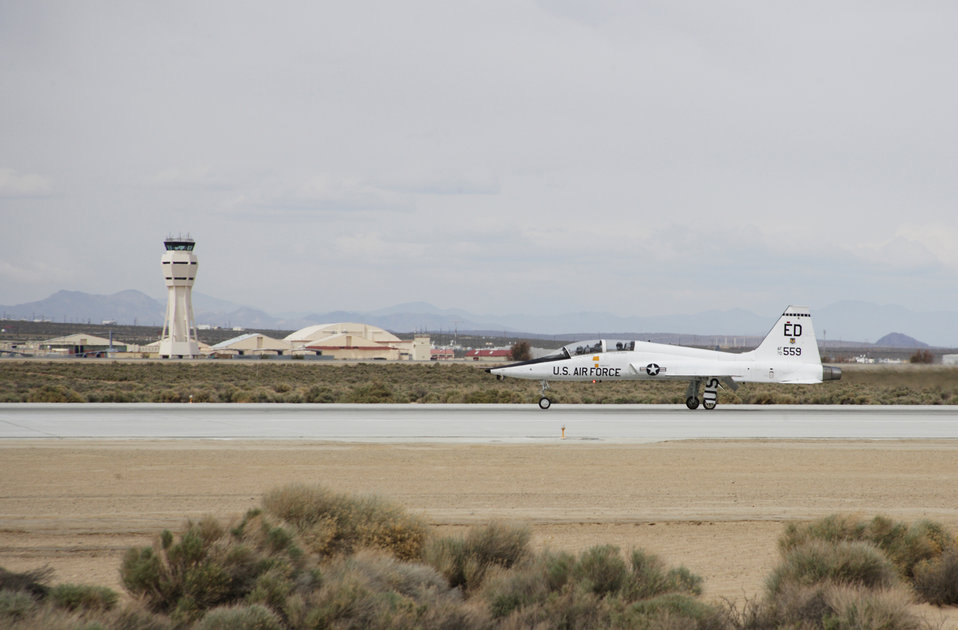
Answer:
(473, 423)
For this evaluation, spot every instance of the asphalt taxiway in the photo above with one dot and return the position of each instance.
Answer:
(473, 423)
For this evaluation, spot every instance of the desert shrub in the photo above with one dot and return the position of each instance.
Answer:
(922, 356)
(464, 562)
(375, 392)
(921, 541)
(32, 582)
(491, 396)
(529, 584)
(82, 597)
(855, 563)
(330, 523)
(674, 611)
(520, 351)
(601, 570)
(835, 528)
(501, 544)
(135, 616)
(370, 590)
(936, 580)
(15, 605)
(905, 545)
(568, 608)
(207, 566)
(828, 605)
(597, 588)
(240, 618)
(862, 608)
(319, 394)
(55, 394)
(649, 578)
(46, 617)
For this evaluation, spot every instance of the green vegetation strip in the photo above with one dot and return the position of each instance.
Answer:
(96, 380)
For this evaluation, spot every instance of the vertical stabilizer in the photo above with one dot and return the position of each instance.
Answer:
(792, 336)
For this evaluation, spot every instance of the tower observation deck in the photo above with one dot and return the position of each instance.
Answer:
(179, 271)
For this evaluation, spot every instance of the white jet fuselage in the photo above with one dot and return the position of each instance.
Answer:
(787, 354)
(655, 361)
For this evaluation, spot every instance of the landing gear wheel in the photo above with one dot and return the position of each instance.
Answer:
(692, 402)
(710, 397)
(544, 403)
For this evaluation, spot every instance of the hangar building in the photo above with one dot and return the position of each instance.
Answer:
(252, 344)
(349, 340)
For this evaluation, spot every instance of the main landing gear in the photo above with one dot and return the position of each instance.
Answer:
(709, 399)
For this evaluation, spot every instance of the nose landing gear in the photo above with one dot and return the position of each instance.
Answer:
(544, 402)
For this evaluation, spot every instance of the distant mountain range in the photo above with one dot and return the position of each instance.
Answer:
(858, 322)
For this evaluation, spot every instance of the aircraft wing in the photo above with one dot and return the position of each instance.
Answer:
(667, 368)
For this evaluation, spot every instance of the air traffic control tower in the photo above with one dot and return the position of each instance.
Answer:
(179, 329)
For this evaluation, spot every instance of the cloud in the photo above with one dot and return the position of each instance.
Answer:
(317, 197)
(662, 155)
(193, 178)
(899, 253)
(36, 272)
(17, 185)
(441, 181)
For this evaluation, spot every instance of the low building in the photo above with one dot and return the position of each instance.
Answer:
(494, 356)
(353, 341)
(81, 344)
(252, 344)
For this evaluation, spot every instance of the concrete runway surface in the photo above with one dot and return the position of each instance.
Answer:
(473, 423)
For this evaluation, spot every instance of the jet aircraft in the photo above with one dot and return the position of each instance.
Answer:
(788, 354)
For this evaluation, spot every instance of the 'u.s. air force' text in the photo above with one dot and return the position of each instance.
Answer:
(564, 370)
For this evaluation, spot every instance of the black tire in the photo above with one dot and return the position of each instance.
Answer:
(544, 403)
(692, 402)
(710, 404)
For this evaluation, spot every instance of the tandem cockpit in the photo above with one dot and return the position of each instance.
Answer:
(580, 348)
(591, 346)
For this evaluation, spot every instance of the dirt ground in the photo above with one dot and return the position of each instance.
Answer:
(716, 507)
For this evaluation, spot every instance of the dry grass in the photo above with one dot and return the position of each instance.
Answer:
(377, 382)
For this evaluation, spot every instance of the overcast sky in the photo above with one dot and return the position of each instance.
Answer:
(640, 158)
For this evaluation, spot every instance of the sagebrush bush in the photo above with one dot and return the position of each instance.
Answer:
(597, 588)
(15, 605)
(856, 563)
(888, 609)
(601, 570)
(831, 606)
(936, 579)
(906, 546)
(207, 566)
(649, 577)
(82, 597)
(464, 562)
(674, 611)
(33, 582)
(374, 591)
(330, 523)
(240, 618)
(835, 528)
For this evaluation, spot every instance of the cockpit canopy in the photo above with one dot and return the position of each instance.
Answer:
(594, 346)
